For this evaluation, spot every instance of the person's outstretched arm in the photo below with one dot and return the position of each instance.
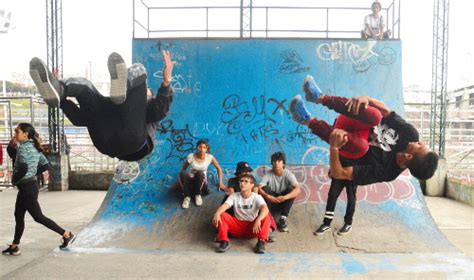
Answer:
(219, 173)
(158, 107)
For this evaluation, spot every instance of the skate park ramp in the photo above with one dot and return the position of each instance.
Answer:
(235, 93)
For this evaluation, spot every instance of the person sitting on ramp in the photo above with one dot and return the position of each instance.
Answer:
(122, 125)
(251, 217)
(369, 143)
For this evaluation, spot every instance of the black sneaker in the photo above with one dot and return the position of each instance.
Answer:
(322, 230)
(12, 251)
(118, 78)
(282, 224)
(68, 240)
(260, 247)
(345, 229)
(225, 245)
(48, 85)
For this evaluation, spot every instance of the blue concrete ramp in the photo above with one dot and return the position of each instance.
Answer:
(235, 93)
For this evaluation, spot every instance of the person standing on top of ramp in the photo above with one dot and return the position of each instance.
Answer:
(122, 126)
(369, 143)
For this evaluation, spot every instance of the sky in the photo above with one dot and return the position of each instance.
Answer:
(93, 29)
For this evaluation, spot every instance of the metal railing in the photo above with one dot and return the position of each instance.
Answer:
(32, 109)
(151, 21)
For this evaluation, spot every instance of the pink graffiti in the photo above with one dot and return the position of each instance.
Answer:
(315, 182)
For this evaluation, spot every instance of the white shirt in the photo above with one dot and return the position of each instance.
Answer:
(374, 23)
(199, 166)
(245, 209)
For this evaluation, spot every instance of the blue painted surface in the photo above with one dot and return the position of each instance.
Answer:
(236, 93)
(351, 265)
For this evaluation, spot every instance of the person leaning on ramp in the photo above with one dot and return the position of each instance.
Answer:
(369, 143)
(122, 125)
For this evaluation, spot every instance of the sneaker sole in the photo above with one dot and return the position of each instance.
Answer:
(343, 233)
(309, 95)
(295, 115)
(12, 254)
(321, 233)
(223, 251)
(118, 78)
(39, 74)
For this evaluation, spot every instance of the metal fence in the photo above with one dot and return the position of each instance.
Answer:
(85, 157)
(256, 21)
(459, 146)
(32, 109)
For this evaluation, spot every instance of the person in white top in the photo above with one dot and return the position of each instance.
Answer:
(279, 188)
(194, 182)
(251, 217)
(374, 24)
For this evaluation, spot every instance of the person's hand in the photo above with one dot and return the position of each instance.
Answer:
(280, 199)
(356, 103)
(256, 226)
(216, 220)
(167, 68)
(220, 187)
(272, 199)
(337, 138)
(13, 141)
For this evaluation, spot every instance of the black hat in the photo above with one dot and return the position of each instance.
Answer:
(242, 167)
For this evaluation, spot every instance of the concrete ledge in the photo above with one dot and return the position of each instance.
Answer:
(86, 180)
(460, 191)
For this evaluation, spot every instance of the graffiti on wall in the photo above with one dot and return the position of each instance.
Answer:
(292, 62)
(362, 57)
(253, 120)
(181, 140)
(181, 84)
(315, 183)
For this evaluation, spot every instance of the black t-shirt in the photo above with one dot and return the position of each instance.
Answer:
(393, 134)
(378, 164)
(234, 183)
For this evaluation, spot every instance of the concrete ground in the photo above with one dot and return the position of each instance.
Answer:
(73, 209)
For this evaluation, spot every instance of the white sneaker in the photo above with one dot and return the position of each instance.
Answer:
(186, 202)
(198, 199)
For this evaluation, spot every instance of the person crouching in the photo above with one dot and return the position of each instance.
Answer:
(251, 217)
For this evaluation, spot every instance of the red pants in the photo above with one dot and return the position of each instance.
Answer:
(242, 229)
(357, 126)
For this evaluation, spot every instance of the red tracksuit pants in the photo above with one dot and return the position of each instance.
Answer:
(242, 229)
(357, 126)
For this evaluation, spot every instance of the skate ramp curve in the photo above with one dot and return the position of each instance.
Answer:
(235, 93)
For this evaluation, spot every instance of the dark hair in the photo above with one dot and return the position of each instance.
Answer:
(203, 141)
(376, 3)
(278, 156)
(423, 166)
(32, 134)
(247, 175)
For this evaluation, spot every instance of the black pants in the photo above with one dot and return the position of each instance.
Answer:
(334, 192)
(27, 200)
(279, 208)
(115, 130)
(194, 184)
